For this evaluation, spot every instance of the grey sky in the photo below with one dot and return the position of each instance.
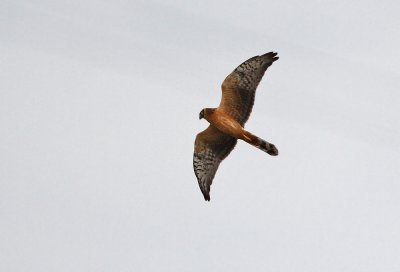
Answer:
(99, 104)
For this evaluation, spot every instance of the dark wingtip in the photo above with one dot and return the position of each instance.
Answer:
(271, 55)
(206, 196)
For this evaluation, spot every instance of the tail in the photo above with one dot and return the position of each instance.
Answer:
(260, 143)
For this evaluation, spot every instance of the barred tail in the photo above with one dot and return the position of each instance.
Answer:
(260, 143)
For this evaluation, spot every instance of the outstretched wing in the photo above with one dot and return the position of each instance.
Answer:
(239, 87)
(210, 148)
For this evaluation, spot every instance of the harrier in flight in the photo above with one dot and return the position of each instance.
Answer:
(227, 121)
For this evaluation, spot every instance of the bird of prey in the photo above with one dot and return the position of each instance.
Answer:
(227, 121)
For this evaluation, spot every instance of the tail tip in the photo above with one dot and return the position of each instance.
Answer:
(272, 150)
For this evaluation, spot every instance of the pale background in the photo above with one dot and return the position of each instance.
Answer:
(99, 104)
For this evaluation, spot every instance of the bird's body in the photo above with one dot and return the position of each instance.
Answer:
(224, 123)
(227, 121)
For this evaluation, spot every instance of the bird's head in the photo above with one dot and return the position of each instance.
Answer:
(201, 114)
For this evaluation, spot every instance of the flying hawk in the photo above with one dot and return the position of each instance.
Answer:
(227, 121)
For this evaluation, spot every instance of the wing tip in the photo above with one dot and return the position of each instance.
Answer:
(206, 195)
(271, 56)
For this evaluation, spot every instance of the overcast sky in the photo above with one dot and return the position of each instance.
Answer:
(99, 104)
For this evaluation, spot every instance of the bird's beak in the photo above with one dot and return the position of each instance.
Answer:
(201, 115)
